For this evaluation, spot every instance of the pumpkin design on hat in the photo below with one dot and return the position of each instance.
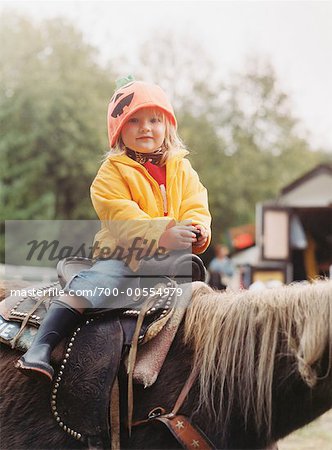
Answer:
(130, 96)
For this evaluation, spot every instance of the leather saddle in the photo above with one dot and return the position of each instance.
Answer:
(85, 375)
(30, 305)
(81, 395)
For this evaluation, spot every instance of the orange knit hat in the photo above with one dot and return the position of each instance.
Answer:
(131, 97)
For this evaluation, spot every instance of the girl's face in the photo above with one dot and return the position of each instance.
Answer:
(144, 131)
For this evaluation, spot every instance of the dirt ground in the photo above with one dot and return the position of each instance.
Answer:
(315, 436)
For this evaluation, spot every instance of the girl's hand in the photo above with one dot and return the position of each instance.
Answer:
(178, 237)
(202, 238)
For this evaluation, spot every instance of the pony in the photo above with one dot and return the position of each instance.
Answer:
(264, 370)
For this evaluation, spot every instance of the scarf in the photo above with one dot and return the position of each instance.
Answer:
(142, 158)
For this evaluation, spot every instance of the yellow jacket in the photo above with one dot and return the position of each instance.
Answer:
(129, 202)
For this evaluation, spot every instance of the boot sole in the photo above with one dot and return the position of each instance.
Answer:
(34, 372)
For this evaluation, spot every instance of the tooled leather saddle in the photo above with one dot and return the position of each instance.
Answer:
(87, 370)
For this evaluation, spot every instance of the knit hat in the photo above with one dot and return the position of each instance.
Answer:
(131, 95)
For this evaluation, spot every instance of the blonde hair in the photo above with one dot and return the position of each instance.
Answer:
(171, 146)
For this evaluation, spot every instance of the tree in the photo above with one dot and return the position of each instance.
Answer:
(53, 113)
(179, 64)
(243, 138)
(247, 147)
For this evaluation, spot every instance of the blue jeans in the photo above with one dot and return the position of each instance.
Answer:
(97, 283)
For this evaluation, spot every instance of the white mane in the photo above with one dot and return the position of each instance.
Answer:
(235, 336)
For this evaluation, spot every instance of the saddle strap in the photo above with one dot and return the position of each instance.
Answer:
(132, 359)
(27, 318)
(185, 391)
(115, 416)
(185, 433)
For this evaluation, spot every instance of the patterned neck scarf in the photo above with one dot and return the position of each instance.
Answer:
(142, 158)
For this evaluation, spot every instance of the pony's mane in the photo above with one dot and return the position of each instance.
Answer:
(228, 330)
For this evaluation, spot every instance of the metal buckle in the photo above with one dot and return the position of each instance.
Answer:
(156, 412)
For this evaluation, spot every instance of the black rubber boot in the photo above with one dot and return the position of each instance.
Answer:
(59, 321)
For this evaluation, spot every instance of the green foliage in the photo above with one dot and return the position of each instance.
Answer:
(53, 105)
(247, 149)
(243, 139)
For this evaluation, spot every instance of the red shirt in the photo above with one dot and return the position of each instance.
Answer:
(159, 174)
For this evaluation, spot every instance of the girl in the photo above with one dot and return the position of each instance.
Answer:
(146, 194)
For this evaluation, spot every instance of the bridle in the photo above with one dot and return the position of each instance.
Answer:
(189, 436)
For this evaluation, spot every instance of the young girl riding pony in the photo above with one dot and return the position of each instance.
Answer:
(145, 192)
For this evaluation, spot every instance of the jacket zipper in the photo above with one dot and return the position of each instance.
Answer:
(162, 201)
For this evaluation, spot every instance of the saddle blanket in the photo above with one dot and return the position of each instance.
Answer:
(8, 331)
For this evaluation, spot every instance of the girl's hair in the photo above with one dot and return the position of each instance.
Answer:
(172, 143)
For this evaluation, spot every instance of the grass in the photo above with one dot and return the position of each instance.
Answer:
(315, 436)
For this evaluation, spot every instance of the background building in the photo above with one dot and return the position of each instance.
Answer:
(293, 233)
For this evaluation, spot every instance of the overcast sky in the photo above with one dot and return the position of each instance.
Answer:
(295, 36)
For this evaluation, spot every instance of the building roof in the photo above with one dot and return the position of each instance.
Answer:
(318, 170)
(313, 189)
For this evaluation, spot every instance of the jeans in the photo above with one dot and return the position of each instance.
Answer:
(100, 283)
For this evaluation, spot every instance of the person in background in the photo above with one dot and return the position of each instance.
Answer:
(221, 268)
